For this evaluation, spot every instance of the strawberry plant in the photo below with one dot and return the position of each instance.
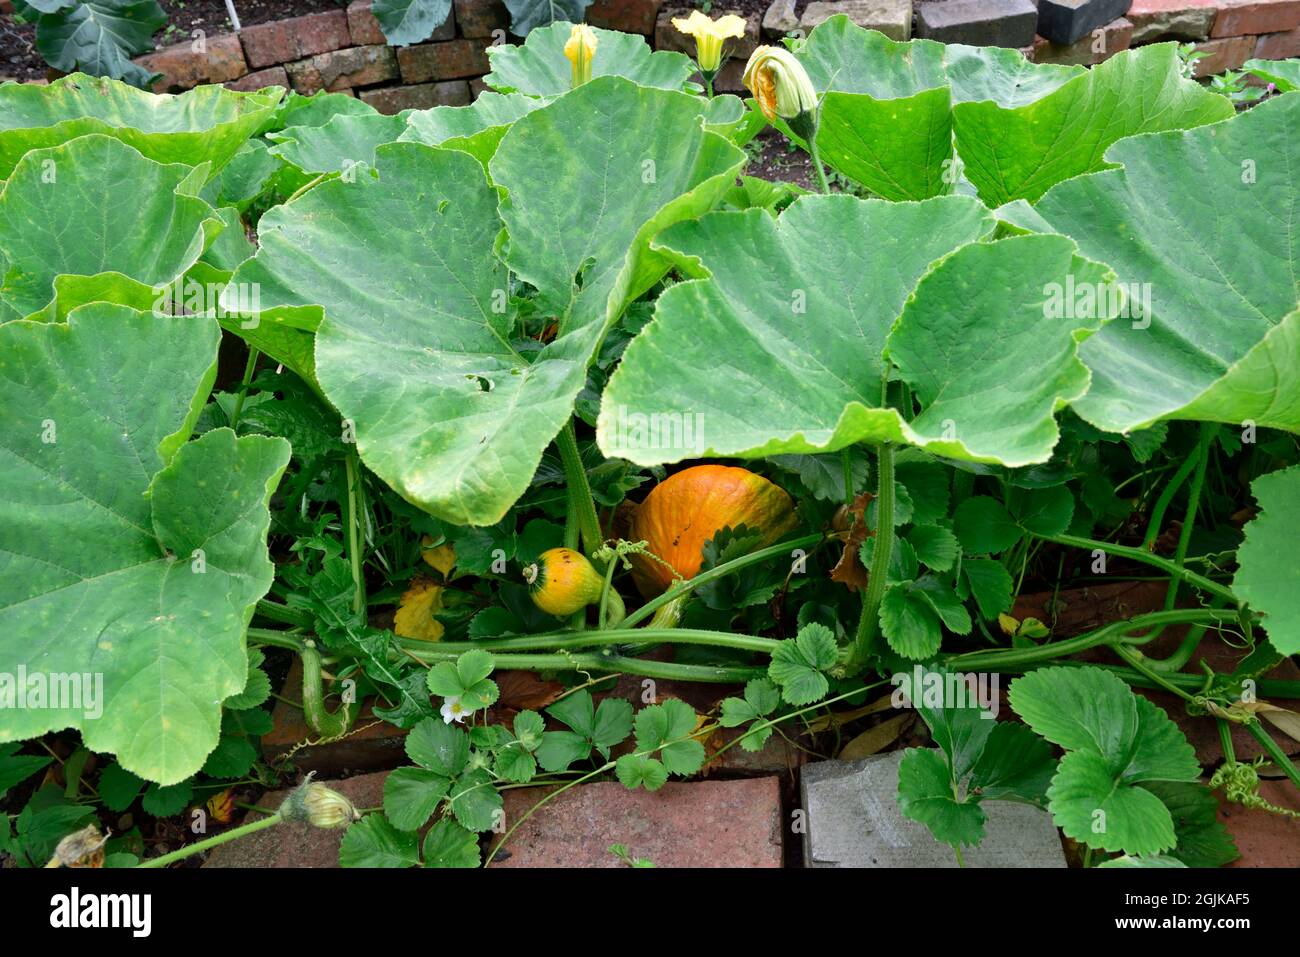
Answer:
(1044, 335)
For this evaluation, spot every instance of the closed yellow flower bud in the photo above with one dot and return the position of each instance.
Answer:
(319, 805)
(710, 36)
(782, 87)
(581, 50)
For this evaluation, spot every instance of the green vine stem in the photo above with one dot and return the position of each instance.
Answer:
(1112, 634)
(579, 490)
(354, 533)
(1166, 498)
(869, 622)
(1142, 555)
(215, 840)
(684, 588)
(815, 155)
(276, 639)
(283, 613)
(605, 663)
(244, 384)
(319, 719)
(1202, 460)
(566, 640)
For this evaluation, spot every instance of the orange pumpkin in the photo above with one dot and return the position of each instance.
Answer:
(690, 507)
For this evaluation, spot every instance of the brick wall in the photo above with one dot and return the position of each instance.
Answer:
(344, 51)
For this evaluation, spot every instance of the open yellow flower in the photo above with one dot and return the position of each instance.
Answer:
(781, 86)
(581, 50)
(710, 35)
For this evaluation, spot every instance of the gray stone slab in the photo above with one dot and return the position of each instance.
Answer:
(853, 821)
(994, 23)
(893, 18)
(1064, 21)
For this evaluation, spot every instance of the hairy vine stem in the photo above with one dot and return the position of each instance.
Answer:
(579, 489)
(869, 622)
(1142, 555)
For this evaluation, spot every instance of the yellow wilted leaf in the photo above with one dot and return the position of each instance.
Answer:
(441, 559)
(414, 618)
(222, 806)
(1008, 625)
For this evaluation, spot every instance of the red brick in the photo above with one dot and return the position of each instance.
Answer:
(365, 28)
(271, 76)
(1225, 53)
(7, 6)
(343, 69)
(1171, 19)
(286, 40)
(294, 844)
(1115, 37)
(667, 36)
(479, 18)
(1238, 17)
(443, 61)
(1265, 839)
(683, 824)
(185, 65)
(422, 96)
(1278, 46)
(630, 16)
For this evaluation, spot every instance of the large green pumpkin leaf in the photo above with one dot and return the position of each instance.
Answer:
(1020, 152)
(409, 21)
(538, 67)
(337, 145)
(95, 205)
(415, 345)
(97, 36)
(797, 312)
(477, 129)
(887, 114)
(1264, 582)
(207, 124)
(131, 554)
(1207, 223)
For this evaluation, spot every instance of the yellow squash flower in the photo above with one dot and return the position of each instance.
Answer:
(782, 87)
(581, 50)
(710, 35)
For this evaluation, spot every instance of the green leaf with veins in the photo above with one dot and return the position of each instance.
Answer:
(983, 526)
(635, 770)
(84, 223)
(100, 37)
(798, 664)
(111, 513)
(984, 302)
(1262, 581)
(373, 842)
(476, 129)
(990, 584)
(449, 845)
(1220, 336)
(1203, 840)
(1115, 741)
(538, 66)
(761, 699)
(952, 712)
(925, 795)
(437, 746)
(409, 21)
(207, 124)
(475, 802)
(661, 726)
(935, 546)
(337, 145)
(527, 15)
(411, 795)
(909, 622)
(1023, 151)
(1014, 765)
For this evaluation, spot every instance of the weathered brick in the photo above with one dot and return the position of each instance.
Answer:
(365, 28)
(479, 18)
(1278, 46)
(1171, 19)
(271, 76)
(443, 61)
(780, 19)
(667, 36)
(695, 824)
(421, 96)
(1265, 839)
(729, 78)
(630, 16)
(994, 23)
(1237, 17)
(1222, 54)
(893, 18)
(1102, 44)
(477, 86)
(343, 69)
(1064, 21)
(283, 41)
(185, 65)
